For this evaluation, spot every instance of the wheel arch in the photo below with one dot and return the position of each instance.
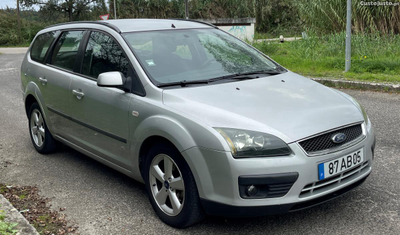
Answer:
(147, 145)
(29, 100)
(154, 130)
(32, 95)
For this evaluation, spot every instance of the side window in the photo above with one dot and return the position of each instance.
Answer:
(41, 46)
(66, 49)
(103, 54)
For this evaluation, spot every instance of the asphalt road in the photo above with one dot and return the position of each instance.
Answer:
(103, 201)
(13, 50)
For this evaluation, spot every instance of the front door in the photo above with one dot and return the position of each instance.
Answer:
(101, 114)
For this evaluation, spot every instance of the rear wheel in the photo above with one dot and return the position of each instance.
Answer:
(171, 187)
(41, 137)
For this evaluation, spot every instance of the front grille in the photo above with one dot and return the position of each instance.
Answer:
(333, 182)
(324, 141)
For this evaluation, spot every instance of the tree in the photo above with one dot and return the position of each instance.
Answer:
(19, 21)
(71, 9)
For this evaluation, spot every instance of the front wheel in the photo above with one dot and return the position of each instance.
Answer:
(171, 187)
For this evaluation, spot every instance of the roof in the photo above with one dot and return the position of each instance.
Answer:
(132, 25)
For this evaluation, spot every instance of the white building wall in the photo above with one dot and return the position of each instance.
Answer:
(242, 28)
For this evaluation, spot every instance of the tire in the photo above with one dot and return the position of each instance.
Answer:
(190, 211)
(41, 137)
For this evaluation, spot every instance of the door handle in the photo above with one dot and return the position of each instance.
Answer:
(43, 80)
(79, 94)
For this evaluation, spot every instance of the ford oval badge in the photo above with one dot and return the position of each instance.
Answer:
(339, 138)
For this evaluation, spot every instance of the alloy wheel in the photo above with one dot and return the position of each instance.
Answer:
(166, 183)
(37, 128)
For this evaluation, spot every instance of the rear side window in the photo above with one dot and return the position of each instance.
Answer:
(41, 46)
(103, 54)
(66, 49)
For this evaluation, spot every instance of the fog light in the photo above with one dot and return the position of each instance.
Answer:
(252, 190)
(266, 186)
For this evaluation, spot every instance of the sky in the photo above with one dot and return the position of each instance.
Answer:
(9, 3)
(12, 4)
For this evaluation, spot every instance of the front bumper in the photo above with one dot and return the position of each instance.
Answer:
(219, 209)
(217, 176)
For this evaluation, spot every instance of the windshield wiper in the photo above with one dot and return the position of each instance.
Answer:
(268, 72)
(183, 83)
(248, 75)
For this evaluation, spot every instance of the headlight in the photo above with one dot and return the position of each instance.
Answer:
(245, 143)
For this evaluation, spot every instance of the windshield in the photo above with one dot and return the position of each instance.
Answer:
(170, 56)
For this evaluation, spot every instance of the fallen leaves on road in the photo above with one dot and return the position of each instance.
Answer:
(36, 210)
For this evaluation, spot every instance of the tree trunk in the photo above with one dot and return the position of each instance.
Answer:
(19, 22)
(70, 10)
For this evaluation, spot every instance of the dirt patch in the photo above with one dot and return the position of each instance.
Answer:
(36, 210)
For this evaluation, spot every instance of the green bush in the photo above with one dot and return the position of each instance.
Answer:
(9, 29)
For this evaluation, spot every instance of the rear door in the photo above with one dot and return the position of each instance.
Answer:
(37, 71)
(54, 76)
(61, 66)
(102, 114)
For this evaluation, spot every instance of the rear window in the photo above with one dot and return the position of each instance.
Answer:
(66, 49)
(41, 46)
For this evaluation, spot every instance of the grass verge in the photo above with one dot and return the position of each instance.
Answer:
(36, 210)
(375, 57)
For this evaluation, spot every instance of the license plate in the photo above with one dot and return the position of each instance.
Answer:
(338, 165)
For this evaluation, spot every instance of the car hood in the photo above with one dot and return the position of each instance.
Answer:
(288, 105)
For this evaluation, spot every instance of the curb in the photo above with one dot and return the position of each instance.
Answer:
(14, 216)
(383, 87)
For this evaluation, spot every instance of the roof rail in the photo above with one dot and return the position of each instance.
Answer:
(198, 21)
(88, 22)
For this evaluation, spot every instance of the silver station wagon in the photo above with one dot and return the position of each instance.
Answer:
(208, 123)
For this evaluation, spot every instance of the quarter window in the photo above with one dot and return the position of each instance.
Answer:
(41, 46)
(66, 49)
(103, 54)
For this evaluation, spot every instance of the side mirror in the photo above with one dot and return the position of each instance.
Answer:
(111, 79)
